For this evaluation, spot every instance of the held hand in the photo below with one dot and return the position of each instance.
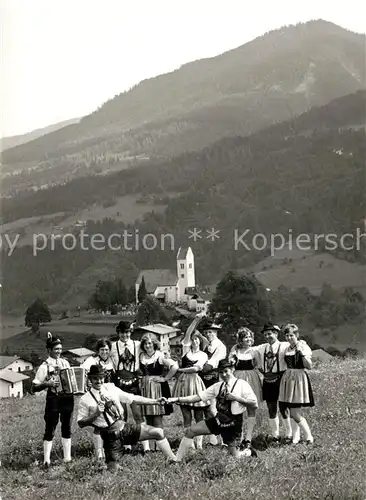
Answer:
(230, 397)
(172, 400)
(162, 401)
(53, 383)
(159, 379)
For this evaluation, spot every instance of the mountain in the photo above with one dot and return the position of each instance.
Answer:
(305, 175)
(16, 140)
(273, 78)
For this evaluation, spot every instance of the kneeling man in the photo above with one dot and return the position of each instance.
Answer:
(232, 396)
(101, 408)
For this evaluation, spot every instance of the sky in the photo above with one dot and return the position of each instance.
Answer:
(63, 59)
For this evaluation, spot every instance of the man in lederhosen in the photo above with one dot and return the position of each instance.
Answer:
(216, 351)
(271, 363)
(125, 354)
(232, 397)
(101, 407)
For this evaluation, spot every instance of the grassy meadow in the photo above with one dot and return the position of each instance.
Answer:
(331, 468)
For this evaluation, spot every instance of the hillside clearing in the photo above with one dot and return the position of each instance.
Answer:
(332, 468)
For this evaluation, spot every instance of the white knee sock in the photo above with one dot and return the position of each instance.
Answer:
(184, 446)
(213, 439)
(146, 445)
(295, 431)
(287, 426)
(47, 447)
(274, 425)
(66, 446)
(250, 426)
(164, 446)
(98, 445)
(199, 441)
(304, 426)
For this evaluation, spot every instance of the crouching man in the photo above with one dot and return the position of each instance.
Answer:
(232, 396)
(101, 408)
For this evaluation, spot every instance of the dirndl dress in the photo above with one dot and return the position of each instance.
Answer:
(295, 387)
(189, 384)
(245, 370)
(154, 390)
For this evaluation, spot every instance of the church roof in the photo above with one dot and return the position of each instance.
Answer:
(157, 277)
(182, 253)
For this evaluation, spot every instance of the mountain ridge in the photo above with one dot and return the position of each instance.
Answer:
(270, 79)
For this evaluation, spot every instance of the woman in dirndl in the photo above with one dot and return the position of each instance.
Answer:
(295, 389)
(243, 358)
(103, 359)
(154, 384)
(59, 405)
(189, 382)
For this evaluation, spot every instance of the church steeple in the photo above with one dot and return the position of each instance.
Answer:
(185, 270)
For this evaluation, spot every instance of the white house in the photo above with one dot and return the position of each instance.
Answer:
(169, 286)
(163, 332)
(15, 364)
(11, 384)
(78, 355)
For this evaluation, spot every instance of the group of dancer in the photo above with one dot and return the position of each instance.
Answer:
(212, 386)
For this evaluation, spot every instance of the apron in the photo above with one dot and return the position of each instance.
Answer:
(211, 377)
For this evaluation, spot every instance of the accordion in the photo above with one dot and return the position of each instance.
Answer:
(73, 380)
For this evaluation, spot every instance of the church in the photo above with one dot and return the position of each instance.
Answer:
(177, 287)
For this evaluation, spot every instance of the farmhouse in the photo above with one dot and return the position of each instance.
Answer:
(11, 384)
(15, 364)
(164, 333)
(78, 355)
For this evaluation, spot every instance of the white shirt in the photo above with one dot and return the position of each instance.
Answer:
(241, 389)
(96, 360)
(216, 352)
(305, 349)
(133, 346)
(242, 353)
(88, 405)
(277, 347)
(199, 357)
(157, 356)
(49, 369)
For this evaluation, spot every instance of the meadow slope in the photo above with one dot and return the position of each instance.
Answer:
(332, 468)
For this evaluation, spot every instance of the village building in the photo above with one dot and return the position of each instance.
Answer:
(164, 333)
(78, 355)
(15, 364)
(177, 287)
(11, 383)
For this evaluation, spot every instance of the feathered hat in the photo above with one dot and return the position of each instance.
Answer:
(51, 341)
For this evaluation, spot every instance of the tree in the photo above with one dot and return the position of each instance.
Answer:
(241, 301)
(149, 312)
(36, 314)
(142, 293)
(108, 294)
(131, 295)
(120, 293)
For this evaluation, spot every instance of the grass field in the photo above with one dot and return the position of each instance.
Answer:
(305, 268)
(332, 468)
(125, 209)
